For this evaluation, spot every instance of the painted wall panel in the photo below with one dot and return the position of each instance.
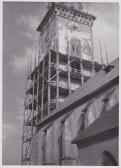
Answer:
(71, 32)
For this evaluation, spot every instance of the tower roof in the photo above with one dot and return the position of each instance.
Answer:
(100, 128)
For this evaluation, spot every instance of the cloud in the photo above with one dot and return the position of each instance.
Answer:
(26, 34)
(8, 130)
(29, 22)
(20, 109)
(11, 141)
(108, 34)
(20, 104)
(105, 29)
(27, 26)
(8, 127)
(19, 63)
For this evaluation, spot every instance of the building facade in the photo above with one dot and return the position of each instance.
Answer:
(56, 109)
(55, 142)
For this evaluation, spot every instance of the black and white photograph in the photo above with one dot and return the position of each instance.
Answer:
(60, 83)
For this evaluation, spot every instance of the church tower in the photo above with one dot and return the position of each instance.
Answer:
(65, 62)
(66, 37)
(67, 29)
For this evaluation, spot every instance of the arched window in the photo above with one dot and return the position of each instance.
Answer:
(66, 150)
(88, 115)
(60, 143)
(107, 159)
(44, 147)
(75, 47)
(81, 122)
(110, 100)
(47, 145)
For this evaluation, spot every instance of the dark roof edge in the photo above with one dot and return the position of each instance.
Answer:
(100, 137)
(84, 99)
(105, 123)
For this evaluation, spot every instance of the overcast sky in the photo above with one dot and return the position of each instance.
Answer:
(20, 20)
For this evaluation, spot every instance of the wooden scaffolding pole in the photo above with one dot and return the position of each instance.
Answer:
(57, 65)
(32, 117)
(42, 90)
(92, 52)
(49, 75)
(69, 65)
(81, 67)
(101, 56)
(106, 54)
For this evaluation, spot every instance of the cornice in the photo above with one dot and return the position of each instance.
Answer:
(57, 9)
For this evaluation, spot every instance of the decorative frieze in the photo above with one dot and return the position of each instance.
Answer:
(58, 9)
(71, 13)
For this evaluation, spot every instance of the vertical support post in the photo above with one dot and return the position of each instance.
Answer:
(32, 117)
(36, 83)
(23, 135)
(92, 52)
(57, 65)
(81, 68)
(38, 77)
(29, 128)
(33, 104)
(101, 53)
(106, 54)
(39, 94)
(69, 74)
(49, 74)
(27, 133)
(22, 146)
(25, 125)
(62, 140)
(39, 49)
(42, 90)
(44, 155)
(69, 67)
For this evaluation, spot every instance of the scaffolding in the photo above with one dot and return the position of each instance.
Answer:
(47, 86)
(53, 78)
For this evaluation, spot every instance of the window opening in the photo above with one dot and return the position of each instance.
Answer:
(107, 159)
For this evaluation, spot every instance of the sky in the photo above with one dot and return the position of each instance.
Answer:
(20, 20)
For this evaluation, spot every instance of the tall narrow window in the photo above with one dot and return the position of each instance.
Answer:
(88, 115)
(75, 47)
(109, 100)
(44, 148)
(81, 122)
(66, 153)
(60, 143)
(72, 49)
(106, 104)
(47, 146)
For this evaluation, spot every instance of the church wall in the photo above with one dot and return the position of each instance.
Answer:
(72, 122)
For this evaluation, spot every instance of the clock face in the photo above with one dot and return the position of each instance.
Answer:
(74, 26)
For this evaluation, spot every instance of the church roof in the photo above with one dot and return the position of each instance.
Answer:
(105, 125)
(85, 92)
